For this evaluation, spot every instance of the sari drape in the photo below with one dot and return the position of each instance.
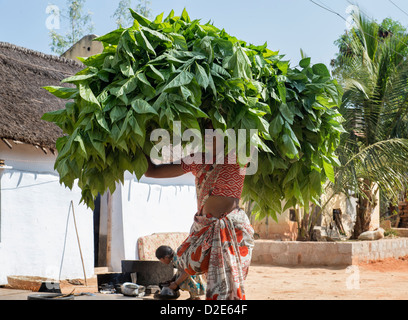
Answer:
(221, 247)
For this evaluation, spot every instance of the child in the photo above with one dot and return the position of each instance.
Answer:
(195, 285)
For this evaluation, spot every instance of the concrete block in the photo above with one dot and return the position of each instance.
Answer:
(382, 247)
(374, 255)
(324, 247)
(357, 248)
(313, 259)
(264, 259)
(361, 247)
(382, 255)
(355, 260)
(388, 244)
(259, 248)
(341, 260)
(294, 259)
(345, 247)
(319, 247)
(327, 253)
(278, 247)
(374, 246)
(285, 260)
(299, 247)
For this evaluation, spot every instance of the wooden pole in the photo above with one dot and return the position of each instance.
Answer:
(79, 243)
(109, 233)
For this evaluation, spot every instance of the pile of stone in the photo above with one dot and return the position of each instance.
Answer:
(372, 235)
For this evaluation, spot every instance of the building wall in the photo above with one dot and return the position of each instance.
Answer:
(38, 235)
(348, 207)
(85, 47)
(283, 229)
(286, 230)
(148, 206)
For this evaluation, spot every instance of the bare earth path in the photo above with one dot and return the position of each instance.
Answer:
(382, 280)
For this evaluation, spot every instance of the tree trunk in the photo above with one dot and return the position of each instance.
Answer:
(307, 224)
(303, 232)
(365, 207)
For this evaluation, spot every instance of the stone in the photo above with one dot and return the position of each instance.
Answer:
(348, 224)
(319, 234)
(323, 234)
(334, 234)
(372, 235)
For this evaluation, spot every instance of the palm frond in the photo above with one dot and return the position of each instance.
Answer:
(385, 163)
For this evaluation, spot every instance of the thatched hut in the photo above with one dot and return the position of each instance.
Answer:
(37, 236)
(23, 73)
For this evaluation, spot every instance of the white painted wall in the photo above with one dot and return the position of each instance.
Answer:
(35, 209)
(149, 206)
(37, 238)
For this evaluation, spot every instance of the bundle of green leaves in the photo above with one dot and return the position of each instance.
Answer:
(174, 69)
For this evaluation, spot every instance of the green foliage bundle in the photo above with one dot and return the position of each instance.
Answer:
(175, 69)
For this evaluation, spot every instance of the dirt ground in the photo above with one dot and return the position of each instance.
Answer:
(380, 280)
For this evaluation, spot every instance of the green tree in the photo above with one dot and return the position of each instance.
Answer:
(372, 67)
(122, 15)
(386, 29)
(79, 24)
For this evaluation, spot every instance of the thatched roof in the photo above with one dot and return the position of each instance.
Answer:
(23, 73)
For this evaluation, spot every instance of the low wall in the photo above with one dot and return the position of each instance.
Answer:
(295, 253)
(401, 232)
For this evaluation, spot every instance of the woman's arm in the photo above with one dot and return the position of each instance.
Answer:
(164, 170)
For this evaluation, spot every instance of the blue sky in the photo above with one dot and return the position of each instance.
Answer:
(286, 25)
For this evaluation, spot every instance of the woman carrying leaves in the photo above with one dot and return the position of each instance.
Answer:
(221, 239)
(175, 69)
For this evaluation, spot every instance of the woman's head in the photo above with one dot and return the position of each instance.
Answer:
(164, 254)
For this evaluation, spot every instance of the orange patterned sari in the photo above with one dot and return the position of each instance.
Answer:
(221, 248)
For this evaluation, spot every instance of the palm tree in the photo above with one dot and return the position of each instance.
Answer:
(373, 69)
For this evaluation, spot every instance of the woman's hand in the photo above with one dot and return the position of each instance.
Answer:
(174, 286)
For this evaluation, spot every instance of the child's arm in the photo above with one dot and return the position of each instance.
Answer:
(176, 284)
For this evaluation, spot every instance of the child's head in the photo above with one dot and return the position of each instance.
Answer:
(164, 254)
